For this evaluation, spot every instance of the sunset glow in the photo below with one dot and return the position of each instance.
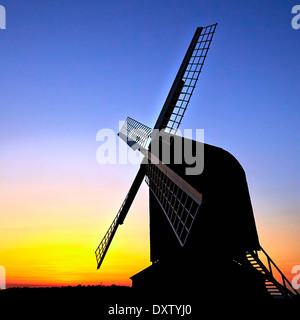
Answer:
(68, 71)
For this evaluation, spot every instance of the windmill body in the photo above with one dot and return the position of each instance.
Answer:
(225, 220)
(222, 232)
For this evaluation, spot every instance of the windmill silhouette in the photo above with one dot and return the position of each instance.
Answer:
(202, 226)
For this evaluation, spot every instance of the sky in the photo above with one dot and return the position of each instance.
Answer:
(71, 68)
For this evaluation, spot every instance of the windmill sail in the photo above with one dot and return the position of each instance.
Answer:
(185, 81)
(168, 119)
(135, 134)
(179, 200)
(119, 219)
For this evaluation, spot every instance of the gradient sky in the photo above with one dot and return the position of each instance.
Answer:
(70, 68)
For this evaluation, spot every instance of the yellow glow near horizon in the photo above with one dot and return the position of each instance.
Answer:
(51, 232)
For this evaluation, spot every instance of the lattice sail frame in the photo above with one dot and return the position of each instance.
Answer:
(104, 244)
(187, 83)
(179, 200)
(136, 134)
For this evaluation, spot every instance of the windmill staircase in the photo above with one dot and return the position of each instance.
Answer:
(278, 286)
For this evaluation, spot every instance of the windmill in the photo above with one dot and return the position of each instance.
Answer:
(198, 223)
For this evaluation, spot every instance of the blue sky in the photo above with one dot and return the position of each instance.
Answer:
(70, 68)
